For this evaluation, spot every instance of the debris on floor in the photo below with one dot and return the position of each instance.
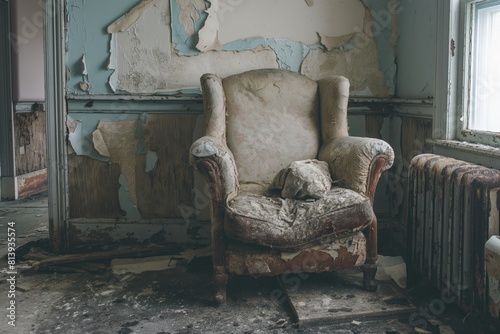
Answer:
(140, 265)
(339, 297)
(391, 267)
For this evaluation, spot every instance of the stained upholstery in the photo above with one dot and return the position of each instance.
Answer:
(303, 179)
(259, 122)
(289, 224)
(271, 111)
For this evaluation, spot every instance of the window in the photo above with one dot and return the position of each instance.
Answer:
(479, 106)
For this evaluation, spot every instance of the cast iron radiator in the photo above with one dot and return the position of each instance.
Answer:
(452, 212)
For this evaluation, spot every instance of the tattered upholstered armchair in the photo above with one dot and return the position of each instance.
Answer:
(257, 124)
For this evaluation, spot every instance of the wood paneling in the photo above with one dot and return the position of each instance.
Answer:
(93, 188)
(373, 125)
(94, 185)
(414, 132)
(171, 181)
(30, 142)
(28, 184)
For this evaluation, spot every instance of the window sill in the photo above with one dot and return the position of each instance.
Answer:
(481, 154)
(467, 147)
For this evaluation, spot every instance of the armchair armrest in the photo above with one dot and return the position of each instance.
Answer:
(357, 162)
(216, 161)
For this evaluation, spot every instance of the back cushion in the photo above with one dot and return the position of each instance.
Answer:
(272, 120)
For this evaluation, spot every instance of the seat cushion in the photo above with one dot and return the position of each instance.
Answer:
(289, 224)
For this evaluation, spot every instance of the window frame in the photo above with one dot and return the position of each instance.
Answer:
(465, 28)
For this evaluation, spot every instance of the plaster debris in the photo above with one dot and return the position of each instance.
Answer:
(208, 38)
(126, 21)
(334, 42)
(117, 140)
(446, 330)
(156, 263)
(392, 267)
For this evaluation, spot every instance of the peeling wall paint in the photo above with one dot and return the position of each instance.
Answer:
(117, 141)
(146, 63)
(358, 61)
(126, 21)
(190, 12)
(151, 47)
(286, 19)
(148, 151)
(91, 40)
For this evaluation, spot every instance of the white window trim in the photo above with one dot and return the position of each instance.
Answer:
(451, 77)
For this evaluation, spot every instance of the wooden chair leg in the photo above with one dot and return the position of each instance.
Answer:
(370, 267)
(369, 271)
(220, 279)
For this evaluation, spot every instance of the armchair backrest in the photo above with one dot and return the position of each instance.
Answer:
(272, 118)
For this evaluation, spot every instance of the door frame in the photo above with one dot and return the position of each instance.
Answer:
(55, 104)
(7, 158)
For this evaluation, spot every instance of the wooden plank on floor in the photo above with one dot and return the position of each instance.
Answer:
(336, 297)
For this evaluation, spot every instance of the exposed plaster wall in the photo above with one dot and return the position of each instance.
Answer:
(27, 50)
(283, 19)
(416, 49)
(153, 46)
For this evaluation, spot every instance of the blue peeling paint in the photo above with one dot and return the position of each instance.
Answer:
(81, 141)
(88, 20)
(125, 200)
(81, 138)
(151, 160)
(87, 35)
(290, 53)
(184, 44)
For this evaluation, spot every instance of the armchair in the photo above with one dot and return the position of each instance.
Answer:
(257, 123)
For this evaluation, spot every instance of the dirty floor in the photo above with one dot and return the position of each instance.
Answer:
(90, 298)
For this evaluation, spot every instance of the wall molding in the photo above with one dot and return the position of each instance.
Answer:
(194, 104)
(135, 106)
(27, 107)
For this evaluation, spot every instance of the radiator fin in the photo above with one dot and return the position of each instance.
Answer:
(450, 218)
